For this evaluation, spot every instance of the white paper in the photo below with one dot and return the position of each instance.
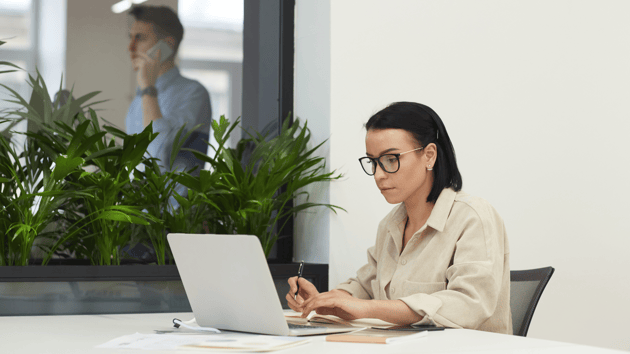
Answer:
(252, 343)
(164, 341)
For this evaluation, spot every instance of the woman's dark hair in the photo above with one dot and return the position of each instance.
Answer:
(426, 127)
(164, 20)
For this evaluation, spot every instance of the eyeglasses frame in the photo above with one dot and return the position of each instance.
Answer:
(378, 161)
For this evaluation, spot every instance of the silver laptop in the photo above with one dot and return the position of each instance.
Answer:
(229, 286)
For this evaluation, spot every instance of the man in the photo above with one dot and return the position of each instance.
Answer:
(163, 96)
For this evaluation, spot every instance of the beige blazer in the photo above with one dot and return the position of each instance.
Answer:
(454, 271)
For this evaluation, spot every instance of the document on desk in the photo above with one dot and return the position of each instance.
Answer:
(208, 342)
(162, 341)
(258, 343)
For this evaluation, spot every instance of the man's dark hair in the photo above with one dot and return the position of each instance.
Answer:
(164, 20)
(426, 127)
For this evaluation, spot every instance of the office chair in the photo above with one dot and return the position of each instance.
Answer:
(526, 287)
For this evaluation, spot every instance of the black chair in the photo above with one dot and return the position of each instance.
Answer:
(526, 287)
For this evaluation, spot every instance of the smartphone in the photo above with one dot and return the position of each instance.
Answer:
(165, 51)
(410, 328)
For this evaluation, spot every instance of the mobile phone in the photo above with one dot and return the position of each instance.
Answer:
(410, 328)
(165, 51)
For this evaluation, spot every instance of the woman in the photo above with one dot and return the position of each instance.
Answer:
(441, 256)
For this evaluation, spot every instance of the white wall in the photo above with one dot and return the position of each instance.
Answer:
(534, 96)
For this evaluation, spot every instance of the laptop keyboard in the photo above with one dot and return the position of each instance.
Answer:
(298, 326)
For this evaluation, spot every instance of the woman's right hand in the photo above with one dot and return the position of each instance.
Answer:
(307, 290)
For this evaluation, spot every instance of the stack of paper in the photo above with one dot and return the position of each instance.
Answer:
(249, 344)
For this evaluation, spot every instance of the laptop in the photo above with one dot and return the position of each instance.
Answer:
(229, 286)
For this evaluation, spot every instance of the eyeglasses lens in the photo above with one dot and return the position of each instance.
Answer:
(368, 165)
(389, 163)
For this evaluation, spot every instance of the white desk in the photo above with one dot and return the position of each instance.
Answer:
(80, 334)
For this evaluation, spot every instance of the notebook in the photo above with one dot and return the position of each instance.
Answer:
(229, 286)
(376, 337)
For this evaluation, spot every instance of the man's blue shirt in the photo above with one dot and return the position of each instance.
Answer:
(182, 101)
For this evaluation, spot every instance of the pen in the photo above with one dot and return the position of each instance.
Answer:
(300, 271)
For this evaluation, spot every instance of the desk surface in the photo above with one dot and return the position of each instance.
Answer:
(80, 334)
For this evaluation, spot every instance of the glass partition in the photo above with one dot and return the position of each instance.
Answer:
(77, 290)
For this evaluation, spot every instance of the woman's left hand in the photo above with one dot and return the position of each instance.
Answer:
(338, 303)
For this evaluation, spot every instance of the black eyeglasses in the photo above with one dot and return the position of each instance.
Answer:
(390, 163)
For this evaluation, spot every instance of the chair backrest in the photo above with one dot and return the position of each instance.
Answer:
(526, 287)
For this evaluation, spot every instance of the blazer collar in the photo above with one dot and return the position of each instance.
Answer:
(442, 209)
(437, 219)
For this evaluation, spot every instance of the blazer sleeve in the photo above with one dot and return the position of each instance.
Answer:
(361, 285)
(364, 285)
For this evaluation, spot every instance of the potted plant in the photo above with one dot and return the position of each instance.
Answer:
(254, 201)
(88, 192)
(39, 195)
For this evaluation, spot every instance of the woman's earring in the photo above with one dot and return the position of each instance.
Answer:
(429, 168)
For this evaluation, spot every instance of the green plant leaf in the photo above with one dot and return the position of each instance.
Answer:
(76, 104)
(77, 136)
(110, 151)
(21, 101)
(21, 229)
(41, 105)
(65, 165)
(115, 131)
(179, 141)
(6, 63)
(89, 142)
(114, 215)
